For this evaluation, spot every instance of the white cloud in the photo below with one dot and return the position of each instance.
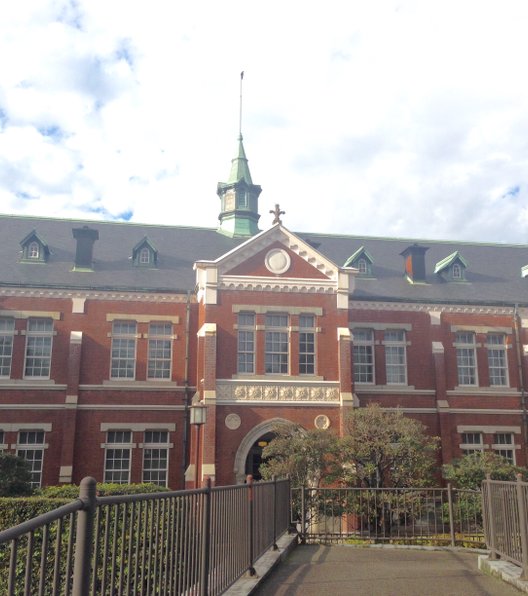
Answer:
(390, 118)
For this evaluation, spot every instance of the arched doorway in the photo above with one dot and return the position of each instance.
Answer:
(256, 434)
(254, 457)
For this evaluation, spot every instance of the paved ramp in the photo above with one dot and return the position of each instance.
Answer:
(319, 570)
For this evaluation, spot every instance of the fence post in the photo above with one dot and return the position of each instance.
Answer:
(251, 569)
(206, 539)
(451, 513)
(303, 516)
(490, 525)
(275, 547)
(84, 537)
(522, 525)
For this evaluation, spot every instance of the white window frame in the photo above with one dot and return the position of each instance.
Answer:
(115, 441)
(277, 344)
(363, 345)
(246, 343)
(466, 356)
(7, 338)
(160, 337)
(307, 344)
(144, 255)
(497, 359)
(471, 442)
(29, 443)
(33, 251)
(153, 442)
(395, 356)
(126, 340)
(504, 445)
(36, 341)
(456, 271)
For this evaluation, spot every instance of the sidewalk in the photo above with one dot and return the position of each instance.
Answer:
(319, 570)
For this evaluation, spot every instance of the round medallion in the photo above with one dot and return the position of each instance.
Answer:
(277, 261)
(321, 422)
(232, 421)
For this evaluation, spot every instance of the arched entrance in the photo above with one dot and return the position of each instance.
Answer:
(256, 434)
(254, 458)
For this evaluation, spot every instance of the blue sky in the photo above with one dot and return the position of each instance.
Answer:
(385, 118)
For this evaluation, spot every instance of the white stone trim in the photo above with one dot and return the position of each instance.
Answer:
(427, 307)
(110, 317)
(290, 310)
(379, 326)
(12, 427)
(255, 391)
(137, 426)
(125, 296)
(207, 329)
(27, 314)
(487, 429)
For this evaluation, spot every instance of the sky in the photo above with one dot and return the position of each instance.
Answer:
(382, 118)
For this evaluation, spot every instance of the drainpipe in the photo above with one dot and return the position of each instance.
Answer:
(517, 328)
(188, 393)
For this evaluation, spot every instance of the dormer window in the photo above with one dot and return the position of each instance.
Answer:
(362, 267)
(34, 249)
(362, 261)
(452, 268)
(144, 254)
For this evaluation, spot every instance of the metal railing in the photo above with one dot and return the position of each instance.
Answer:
(427, 516)
(506, 521)
(180, 542)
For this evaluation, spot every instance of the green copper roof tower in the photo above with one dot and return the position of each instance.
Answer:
(239, 196)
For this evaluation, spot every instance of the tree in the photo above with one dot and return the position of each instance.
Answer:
(306, 456)
(470, 470)
(386, 449)
(15, 476)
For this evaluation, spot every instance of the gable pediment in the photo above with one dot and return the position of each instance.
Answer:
(277, 260)
(274, 260)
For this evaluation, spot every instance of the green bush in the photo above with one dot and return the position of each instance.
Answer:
(15, 510)
(104, 489)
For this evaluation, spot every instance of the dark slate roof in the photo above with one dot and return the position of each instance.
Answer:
(493, 275)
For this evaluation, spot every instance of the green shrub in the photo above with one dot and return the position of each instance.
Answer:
(104, 489)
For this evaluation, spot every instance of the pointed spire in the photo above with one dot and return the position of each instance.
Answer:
(239, 166)
(239, 196)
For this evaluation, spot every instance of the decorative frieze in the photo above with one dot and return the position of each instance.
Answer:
(277, 392)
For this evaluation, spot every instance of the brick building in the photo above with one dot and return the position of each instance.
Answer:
(109, 331)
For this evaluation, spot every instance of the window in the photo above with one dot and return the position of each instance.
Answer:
(117, 456)
(30, 446)
(306, 344)
(466, 358)
(34, 250)
(246, 343)
(362, 267)
(503, 445)
(395, 357)
(123, 364)
(2, 446)
(363, 355)
(159, 351)
(144, 256)
(457, 271)
(277, 352)
(156, 457)
(39, 336)
(7, 330)
(497, 361)
(471, 442)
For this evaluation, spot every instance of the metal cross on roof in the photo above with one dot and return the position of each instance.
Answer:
(277, 213)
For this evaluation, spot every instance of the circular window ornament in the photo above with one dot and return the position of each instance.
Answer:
(232, 421)
(277, 261)
(321, 422)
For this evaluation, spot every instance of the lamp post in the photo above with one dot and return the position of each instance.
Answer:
(198, 412)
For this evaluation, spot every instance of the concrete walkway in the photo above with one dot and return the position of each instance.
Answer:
(318, 570)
